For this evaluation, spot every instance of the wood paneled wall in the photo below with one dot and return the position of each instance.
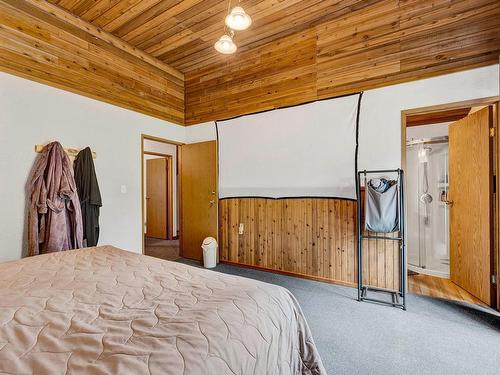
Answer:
(387, 42)
(42, 42)
(312, 237)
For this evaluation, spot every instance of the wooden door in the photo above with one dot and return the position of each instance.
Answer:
(470, 177)
(156, 198)
(199, 203)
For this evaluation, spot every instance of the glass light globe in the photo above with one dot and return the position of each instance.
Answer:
(225, 45)
(238, 19)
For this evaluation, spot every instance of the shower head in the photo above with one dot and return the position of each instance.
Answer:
(423, 154)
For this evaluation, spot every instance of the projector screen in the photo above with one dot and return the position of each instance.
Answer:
(303, 151)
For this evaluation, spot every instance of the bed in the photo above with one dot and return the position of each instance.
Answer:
(104, 310)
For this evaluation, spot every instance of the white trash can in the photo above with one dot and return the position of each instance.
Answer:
(209, 247)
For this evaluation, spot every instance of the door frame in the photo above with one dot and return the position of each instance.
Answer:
(170, 198)
(494, 101)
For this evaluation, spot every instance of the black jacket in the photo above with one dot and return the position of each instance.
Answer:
(89, 194)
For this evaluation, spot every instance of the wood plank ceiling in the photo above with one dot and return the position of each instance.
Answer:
(42, 42)
(298, 50)
(182, 32)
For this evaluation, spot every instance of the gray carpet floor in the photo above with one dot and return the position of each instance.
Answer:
(433, 336)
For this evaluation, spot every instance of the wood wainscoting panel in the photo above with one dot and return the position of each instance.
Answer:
(308, 237)
(381, 262)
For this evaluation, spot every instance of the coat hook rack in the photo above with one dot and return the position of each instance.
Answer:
(70, 151)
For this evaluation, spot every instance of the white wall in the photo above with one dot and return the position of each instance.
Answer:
(201, 132)
(166, 149)
(380, 119)
(31, 113)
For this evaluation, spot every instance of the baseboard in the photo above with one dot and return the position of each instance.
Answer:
(289, 273)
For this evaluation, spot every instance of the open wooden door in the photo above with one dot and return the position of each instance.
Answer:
(471, 200)
(199, 203)
(156, 198)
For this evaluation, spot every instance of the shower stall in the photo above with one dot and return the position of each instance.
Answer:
(427, 210)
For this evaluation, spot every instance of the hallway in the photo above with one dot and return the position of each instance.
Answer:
(163, 249)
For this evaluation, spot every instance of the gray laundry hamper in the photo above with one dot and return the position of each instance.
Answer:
(386, 215)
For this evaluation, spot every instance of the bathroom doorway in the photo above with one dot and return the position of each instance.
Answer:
(448, 155)
(427, 189)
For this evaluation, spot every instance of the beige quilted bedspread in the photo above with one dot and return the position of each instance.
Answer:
(108, 311)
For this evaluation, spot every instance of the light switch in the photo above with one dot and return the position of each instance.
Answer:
(240, 229)
(123, 189)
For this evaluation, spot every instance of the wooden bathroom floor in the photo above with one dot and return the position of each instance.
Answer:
(440, 288)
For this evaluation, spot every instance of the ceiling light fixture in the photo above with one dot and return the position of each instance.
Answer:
(238, 19)
(225, 44)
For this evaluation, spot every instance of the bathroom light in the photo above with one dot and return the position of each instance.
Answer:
(225, 45)
(238, 19)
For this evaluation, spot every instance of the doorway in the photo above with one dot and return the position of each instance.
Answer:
(160, 201)
(179, 197)
(450, 158)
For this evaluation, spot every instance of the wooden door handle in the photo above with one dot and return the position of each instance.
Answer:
(448, 203)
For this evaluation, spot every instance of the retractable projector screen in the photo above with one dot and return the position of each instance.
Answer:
(303, 151)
